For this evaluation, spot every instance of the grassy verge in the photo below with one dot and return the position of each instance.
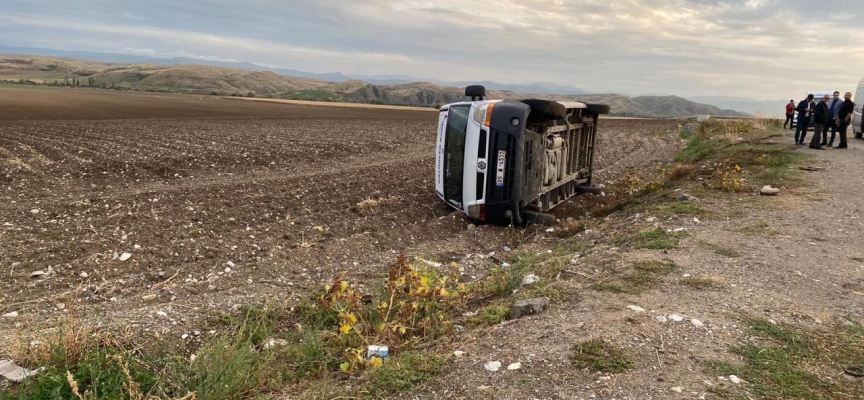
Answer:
(792, 363)
(316, 349)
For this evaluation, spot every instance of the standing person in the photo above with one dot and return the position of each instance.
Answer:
(833, 110)
(820, 118)
(805, 108)
(790, 114)
(844, 118)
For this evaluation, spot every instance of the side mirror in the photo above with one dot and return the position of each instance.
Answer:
(475, 92)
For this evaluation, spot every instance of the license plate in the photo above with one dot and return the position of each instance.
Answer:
(502, 161)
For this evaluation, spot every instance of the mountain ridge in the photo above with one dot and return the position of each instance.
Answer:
(207, 79)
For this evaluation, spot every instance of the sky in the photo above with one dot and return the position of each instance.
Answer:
(762, 49)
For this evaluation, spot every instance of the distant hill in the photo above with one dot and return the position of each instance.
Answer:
(537, 87)
(768, 108)
(207, 79)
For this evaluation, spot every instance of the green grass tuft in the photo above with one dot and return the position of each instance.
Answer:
(645, 275)
(597, 355)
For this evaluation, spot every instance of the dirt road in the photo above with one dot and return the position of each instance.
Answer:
(792, 260)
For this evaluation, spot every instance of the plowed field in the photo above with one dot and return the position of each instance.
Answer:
(219, 203)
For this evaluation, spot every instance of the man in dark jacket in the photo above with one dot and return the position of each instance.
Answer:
(831, 123)
(805, 108)
(844, 118)
(820, 118)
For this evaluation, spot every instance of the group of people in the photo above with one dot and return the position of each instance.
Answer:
(834, 114)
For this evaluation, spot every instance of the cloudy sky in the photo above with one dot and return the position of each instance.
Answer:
(763, 49)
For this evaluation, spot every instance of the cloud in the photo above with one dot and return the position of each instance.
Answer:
(755, 48)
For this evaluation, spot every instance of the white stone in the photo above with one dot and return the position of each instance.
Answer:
(10, 315)
(676, 317)
(514, 366)
(230, 264)
(125, 256)
(83, 274)
(60, 306)
(697, 323)
(736, 380)
(12, 372)
(530, 279)
(678, 389)
(34, 211)
(661, 319)
(767, 190)
(458, 353)
(636, 308)
(492, 366)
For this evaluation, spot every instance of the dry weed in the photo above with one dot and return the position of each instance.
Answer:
(76, 337)
(368, 205)
(680, 171)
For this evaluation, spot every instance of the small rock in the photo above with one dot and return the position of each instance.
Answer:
(471, 227)
(12, 372)
(34, 211)
(679, 230)
(528, 307)
(697, 323)
(149, 297)
(83, 274)
(184, 336)
(505, 265)
(530, 279)
(60, 306)
(230, 264)
(514, 366)
(506, 249)
(736, 380)
(36, 274)
(767, 190)
(458, 353)
(192, 358)
(636, 308)
(227, 269)
(271, 343)
(696, 220)
(492, 366)
(605, 378)
(676, 317)
(652, 219)
(161, 313)
(686, 198)
(125, 256)
(678, 389)
(550, 230)
(10, 315)
(661, 319)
